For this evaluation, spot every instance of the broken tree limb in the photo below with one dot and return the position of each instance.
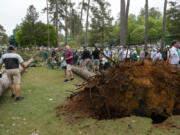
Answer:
(4, 82)
(83, 73)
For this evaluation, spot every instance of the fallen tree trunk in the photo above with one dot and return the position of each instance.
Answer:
(83, 73)
(4, 82)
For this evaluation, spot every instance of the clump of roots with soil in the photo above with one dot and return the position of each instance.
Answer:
(150, 90)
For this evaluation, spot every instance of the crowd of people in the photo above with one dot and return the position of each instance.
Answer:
(96, 59)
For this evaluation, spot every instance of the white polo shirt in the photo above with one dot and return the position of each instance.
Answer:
(11, 60)
(174, 56)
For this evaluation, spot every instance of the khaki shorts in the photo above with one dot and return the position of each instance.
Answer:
(69, 67)
(14, 76)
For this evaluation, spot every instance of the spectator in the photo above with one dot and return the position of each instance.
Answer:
(53, 53)
(69, 60)
(75, 58)
(158, 56)
(86, 56)
(107, 53)
(174, 57)
(179, 52)
(3, 51)
(133, 55)
(121, 54)
(166, 54)
(142, 54)
(96, 61)
(12, 61)
(44, 54)
(126, 53)
(153, 53)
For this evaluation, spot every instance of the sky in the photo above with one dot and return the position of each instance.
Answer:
(13, 11)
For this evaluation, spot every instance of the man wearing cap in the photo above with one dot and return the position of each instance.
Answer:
(12, 60)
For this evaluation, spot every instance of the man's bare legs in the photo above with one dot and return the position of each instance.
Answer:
(12, 90)
(71, 74)
(18, 89)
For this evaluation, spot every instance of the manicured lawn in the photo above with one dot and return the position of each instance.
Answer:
(44, 90)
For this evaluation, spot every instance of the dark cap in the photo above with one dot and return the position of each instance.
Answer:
(11, 48)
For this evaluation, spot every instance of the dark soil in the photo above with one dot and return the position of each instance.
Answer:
(150, 90)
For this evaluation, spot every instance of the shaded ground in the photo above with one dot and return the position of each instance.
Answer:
(43, 90)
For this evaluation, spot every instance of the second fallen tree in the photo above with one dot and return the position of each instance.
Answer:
(83, 73)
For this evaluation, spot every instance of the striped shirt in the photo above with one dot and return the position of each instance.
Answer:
(11, 60)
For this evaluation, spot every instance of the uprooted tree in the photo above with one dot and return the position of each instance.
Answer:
(150, 90)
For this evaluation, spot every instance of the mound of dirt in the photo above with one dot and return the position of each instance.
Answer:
(150, 90)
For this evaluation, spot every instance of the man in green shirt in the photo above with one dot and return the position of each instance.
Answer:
(44, 54)
(3, 51)
(179, 52)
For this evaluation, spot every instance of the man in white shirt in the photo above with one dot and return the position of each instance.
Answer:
(12, 60)
(121, 54)
(142, 54)
(107, 53)
(174, 57)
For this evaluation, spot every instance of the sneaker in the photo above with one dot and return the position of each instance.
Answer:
(19, 98)
(66, 80)
(13, 95)
(72, 79)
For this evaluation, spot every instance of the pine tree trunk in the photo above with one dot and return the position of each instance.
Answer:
(123, 24)
(87, 22)
(127, 17)
(80, 28)
(164, 25)
(147, 23)
(71, 14)
(66, 29)
(48, 22)
(57, 37)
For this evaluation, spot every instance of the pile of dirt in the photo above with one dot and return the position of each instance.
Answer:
(150, 90)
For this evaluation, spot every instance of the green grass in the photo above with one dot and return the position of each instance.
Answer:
(36, 112)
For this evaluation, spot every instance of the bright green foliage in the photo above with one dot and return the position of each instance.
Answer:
(136, 30)
(138, 34)
(34, 32)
